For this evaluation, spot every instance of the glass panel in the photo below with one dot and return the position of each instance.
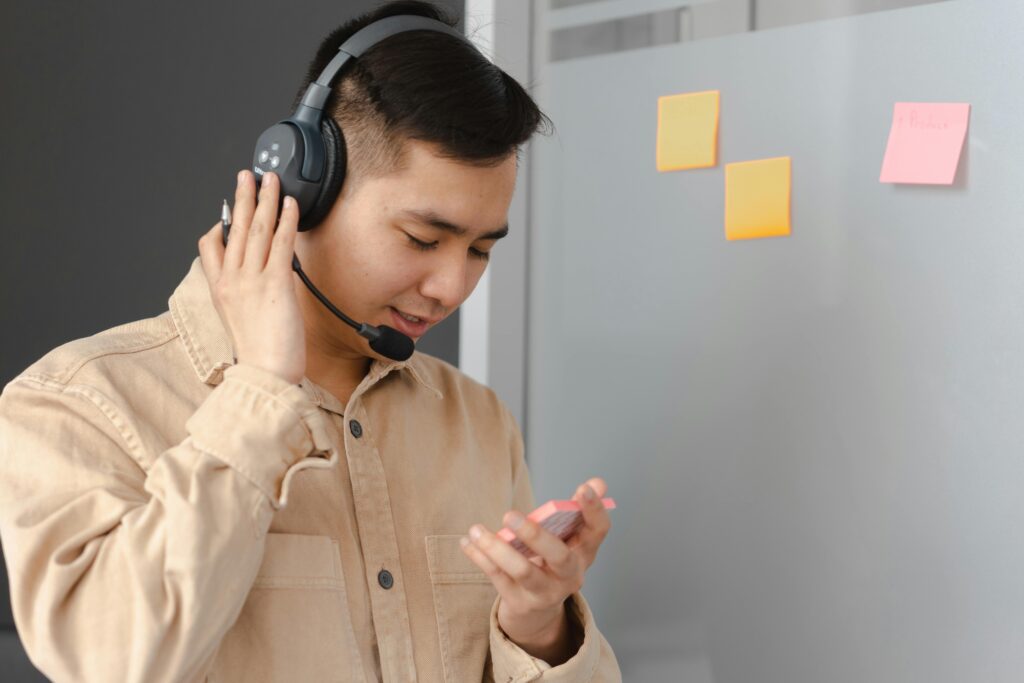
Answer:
(699, 22)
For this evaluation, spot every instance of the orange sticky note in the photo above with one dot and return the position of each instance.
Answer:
(757, 199)
(925, 142)
(687, 131)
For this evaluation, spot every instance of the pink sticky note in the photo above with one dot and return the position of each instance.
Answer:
(563, 518)
(925, 142)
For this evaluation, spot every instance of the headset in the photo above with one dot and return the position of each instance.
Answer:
(307, 152)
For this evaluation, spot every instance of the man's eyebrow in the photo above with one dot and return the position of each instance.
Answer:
(433, 220)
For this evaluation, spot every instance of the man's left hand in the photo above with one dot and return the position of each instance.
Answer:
(533, 591)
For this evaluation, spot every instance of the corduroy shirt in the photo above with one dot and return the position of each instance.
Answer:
(170, 515)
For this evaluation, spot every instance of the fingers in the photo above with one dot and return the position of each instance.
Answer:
(597, 484)
(500, 579)
(264, 221)
(211, 252)
(283, 246)
(555, 553)
(503, 557)
(241, 216)
(596, 520)
(259, 239)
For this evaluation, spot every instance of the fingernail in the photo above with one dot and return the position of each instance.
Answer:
(515, 520)
(474, 533)
(588, 494)
(241, 178)
(463, 541)
(288, 201)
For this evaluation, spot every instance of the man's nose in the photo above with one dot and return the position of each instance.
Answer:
(446, 281)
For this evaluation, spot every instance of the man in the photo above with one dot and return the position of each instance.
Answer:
(241, 489)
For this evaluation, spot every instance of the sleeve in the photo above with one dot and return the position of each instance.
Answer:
(594, 662)
(122, 574)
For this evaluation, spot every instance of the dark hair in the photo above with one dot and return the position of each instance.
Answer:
(424, 86)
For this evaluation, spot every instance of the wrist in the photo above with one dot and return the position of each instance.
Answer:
(286, 375)
(548, 636)
(267, 381)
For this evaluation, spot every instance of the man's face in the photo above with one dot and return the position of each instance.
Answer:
(384, 250)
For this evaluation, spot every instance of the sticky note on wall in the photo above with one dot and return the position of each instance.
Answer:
(757, 198)
(925, 143)
(687, 131)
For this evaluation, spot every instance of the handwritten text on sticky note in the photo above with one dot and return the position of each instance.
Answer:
(925, 142)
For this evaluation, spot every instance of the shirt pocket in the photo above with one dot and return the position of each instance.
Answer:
(295, 623)
(463, 597)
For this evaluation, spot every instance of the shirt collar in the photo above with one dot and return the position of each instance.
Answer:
(208, 342)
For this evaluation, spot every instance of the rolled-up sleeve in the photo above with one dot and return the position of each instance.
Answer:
(291, 428)
(595, 661)
(129, 567)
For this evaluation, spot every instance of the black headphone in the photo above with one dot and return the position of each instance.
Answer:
(307, 152)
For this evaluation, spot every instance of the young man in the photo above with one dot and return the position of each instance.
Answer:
(240, 489)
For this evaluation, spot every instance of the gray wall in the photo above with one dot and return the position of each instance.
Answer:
(815, 441)
(124, 124)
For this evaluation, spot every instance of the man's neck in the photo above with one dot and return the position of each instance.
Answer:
(339, 374)
(335, 364)
(340, 385)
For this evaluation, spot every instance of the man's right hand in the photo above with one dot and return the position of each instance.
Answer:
(251, 279)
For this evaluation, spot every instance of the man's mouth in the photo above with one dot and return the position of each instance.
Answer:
(410, 318)
(409, 324)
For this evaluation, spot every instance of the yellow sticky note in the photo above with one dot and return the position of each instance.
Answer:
(687, 131)
(757, 199)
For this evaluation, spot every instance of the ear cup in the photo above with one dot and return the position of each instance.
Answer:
(335, 162)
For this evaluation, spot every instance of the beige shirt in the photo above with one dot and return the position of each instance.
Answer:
(167, 515)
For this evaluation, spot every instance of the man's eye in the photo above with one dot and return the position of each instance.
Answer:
(419, 244)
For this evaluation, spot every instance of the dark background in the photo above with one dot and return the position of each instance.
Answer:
(123, 127)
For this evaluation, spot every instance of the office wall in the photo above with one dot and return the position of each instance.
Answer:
(815, 440)
(124, 125)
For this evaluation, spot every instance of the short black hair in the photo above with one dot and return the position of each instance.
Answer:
(427, 86)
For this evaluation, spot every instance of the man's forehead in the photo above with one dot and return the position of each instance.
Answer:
(413, 153)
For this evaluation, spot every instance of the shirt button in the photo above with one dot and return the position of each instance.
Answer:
(385, 579)
(355, 428)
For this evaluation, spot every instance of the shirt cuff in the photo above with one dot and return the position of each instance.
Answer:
(264, 428)
(512, 664)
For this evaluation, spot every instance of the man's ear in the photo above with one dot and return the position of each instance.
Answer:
(335, 165)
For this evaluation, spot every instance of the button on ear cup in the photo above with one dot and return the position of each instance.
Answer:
(336, 158)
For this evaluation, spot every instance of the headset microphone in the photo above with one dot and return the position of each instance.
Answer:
(385, 340)
(307, 152)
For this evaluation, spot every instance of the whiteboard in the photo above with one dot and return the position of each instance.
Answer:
(816, 442)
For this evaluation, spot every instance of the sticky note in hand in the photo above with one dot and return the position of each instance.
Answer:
(563, 518)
